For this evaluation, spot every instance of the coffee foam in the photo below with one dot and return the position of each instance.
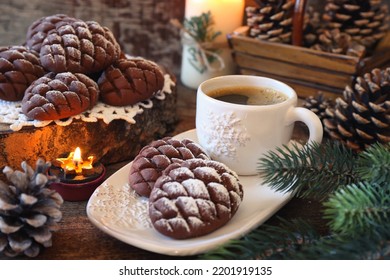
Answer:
(248, 95)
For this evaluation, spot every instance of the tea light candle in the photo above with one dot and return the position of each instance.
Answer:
(227, 16)
(78, 178)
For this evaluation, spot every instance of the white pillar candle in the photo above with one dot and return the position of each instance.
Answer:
(227, 16)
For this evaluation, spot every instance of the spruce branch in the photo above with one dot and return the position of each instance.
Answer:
(356, 209)
(298, 240)
(374, 164)
(372, 246)
(200, 28)
(312, 171)
(267, 242)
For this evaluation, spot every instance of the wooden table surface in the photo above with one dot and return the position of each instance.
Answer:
(79, 239)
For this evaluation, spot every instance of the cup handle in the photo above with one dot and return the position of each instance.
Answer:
(310, 119)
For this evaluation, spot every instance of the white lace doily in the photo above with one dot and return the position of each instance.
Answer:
(12, 115)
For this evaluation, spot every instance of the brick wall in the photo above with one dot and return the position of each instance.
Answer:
(141, 26)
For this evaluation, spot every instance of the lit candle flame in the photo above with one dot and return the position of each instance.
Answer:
(75, 162)
(77, 155)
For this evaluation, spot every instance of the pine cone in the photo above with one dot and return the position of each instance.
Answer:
(129, 81)
(319, 105)
(271, 21)
(365, 20)
(19, 67)
(333, 41)
(313, 26)
(29, 210)
(79, 47)
(362, 116)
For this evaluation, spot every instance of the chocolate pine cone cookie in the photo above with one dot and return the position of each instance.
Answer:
(19, 67)
(129, 81)
(155, 157)
(57, 96)
(79, 47)
(38, 30)
(194, 198)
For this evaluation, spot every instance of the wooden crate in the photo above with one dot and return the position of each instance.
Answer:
(307, 71)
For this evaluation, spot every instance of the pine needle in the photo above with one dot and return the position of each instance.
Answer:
(313, 171)
(267, 242)
(372, 246)
(357, 209)
(357, 193)
(284, 242)
(374, 164)
(200, 28)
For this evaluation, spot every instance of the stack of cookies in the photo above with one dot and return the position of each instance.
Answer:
(189, 194)
(67, 65)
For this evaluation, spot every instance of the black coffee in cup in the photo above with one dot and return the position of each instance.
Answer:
(248, 95)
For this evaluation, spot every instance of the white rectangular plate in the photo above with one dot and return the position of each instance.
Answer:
(118, 211)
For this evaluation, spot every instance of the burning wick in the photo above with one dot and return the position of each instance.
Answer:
(75, 162)
(77, 178)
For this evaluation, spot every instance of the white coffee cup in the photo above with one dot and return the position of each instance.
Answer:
(239, 135)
